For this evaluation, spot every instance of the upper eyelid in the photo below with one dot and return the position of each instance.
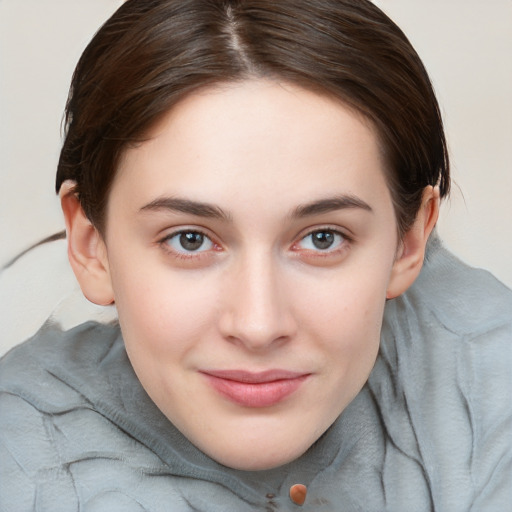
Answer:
(182, 231)
(323, 230)
(344, 232)
(341, 247)
(184, 253)
(172, 232)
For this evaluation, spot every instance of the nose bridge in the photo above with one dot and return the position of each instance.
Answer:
(258, 311)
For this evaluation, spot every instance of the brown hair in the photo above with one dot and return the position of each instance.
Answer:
(151, 53)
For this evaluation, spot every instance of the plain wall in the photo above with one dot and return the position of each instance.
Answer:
(466, 46)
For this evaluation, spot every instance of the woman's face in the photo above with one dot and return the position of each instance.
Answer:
(250, 243)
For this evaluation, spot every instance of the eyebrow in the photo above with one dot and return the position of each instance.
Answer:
(197, 208)
(331, 204)
(211, 211)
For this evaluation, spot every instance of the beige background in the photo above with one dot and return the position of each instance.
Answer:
(465, 44)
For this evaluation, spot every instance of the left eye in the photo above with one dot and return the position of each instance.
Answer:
(189, 241)
(322, 240)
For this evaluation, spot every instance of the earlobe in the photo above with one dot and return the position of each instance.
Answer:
(411, 254)
(86, 249)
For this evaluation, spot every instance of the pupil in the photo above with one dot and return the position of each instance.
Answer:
(323, 239)
(191, 241)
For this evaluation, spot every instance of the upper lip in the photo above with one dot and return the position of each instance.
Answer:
(255, 377)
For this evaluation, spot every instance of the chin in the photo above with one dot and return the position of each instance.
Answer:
(262, 456)
(256, 463)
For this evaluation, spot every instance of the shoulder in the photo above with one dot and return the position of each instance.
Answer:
(31, 369)
(36, 405)
(465, 300)
(443, 380)
(59, 429)
(454, 323)
(453, 326)
(453, 312)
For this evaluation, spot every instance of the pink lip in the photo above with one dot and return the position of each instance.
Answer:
(261, 389)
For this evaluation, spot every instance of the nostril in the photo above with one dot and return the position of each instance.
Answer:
(256, 340)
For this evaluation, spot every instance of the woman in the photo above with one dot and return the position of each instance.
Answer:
(252, 184)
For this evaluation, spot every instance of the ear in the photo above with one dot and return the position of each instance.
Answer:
(87, 252)
(411, 253)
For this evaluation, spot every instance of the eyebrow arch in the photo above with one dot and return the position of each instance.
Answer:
(197, 208)
(331, 204)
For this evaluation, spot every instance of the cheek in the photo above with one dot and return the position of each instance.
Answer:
(162, 311)
(351, 300)
(346, 320)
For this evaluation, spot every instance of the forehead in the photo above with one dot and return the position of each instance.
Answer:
(255, 137)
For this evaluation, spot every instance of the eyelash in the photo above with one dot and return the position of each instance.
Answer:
(187, 254)
(317, 252)
(309, 252)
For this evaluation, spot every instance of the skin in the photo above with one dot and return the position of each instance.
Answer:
(273, 163)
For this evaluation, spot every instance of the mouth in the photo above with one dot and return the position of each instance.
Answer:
(260, 389)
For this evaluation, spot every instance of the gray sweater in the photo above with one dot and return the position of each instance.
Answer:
(431, 430)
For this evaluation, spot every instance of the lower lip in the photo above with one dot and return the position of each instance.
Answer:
(261, 394)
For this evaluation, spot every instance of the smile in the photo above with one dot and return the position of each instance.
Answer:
(249, 389)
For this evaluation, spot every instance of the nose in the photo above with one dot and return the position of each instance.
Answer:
(258, 311)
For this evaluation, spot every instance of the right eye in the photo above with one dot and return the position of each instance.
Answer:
(188, 242)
